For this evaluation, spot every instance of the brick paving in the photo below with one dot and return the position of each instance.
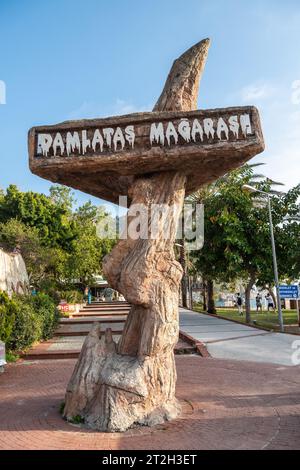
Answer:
(226, 405)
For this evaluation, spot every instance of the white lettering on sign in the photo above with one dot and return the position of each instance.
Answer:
(73, 142)
(44, 144)
(170, 133)
(157, 134)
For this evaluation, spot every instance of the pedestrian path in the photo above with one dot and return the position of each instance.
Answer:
(225, 405)
(72, 331)
(225, 339)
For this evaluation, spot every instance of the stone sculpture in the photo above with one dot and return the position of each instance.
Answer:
(115, 386)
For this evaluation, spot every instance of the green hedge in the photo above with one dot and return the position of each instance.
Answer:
(26, 319)
(7, 317)
(72, 296)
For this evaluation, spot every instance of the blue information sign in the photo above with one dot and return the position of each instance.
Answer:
(289, 292)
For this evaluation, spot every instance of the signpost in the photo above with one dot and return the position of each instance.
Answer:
(102, 156)
(155, 159)
(291, 292)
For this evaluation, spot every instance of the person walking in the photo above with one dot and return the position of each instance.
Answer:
(258, 301)
(270, 303)
(239, 302)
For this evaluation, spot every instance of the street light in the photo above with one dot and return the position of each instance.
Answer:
(246, 187)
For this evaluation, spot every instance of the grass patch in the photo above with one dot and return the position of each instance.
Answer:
(265, 319)
(11, 357)
(77, 419)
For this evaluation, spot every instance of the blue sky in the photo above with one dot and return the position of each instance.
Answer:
(71, 59)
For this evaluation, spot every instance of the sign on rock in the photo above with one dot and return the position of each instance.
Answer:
(146, 142)
(153, 158)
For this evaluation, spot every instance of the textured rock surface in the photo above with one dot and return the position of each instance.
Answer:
(13, 274)
(115, 386)
(137, 377)
(109, 171)
(135, 380)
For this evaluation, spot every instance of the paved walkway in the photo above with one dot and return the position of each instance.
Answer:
(71, 332)
(225, 405)
(229, 340)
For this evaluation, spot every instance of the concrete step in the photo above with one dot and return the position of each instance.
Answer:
(104, 309)
(107, 304)
(113, 302)
(87, 319)
(83, 329)
(97, 314)
(69, 347)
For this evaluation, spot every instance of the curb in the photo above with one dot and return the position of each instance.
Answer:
(216, 315)
(198, 345)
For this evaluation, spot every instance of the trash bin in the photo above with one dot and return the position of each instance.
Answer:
(2, 356)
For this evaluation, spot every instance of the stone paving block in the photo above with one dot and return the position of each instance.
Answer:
(225, 405)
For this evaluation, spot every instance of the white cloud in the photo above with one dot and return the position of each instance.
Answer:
(295, 97)
(281, 128)
(86, 110)
(124, 107)
(89, 109)
(257, 92)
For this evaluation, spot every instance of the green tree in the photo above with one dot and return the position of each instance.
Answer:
(62, 196)
(14, 234)
(52, 221)
(237, 237)
(88, 249)
(59, 246)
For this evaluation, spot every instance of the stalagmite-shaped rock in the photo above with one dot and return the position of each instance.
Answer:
(115, 386)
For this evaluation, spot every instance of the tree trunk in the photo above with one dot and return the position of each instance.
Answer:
(247, 298)
(182, 261)
(210, 297)
(114, 385)
(273, 298)
(204, 296)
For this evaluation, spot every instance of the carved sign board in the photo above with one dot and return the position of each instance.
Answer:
(144, 142)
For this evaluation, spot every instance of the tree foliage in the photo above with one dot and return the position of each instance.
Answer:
(237, 233)
(59, 245)
(51, 220)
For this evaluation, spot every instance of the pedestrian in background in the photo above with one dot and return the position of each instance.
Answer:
(258, 301)
(270, 303)
(239, 302)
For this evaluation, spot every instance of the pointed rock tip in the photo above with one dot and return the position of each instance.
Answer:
(198, 47)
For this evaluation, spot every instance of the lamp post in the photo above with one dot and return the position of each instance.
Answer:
(246, 187)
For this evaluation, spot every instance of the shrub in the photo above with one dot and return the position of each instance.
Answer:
(47, 313)
(7, 317)
(26, 319)
(27, 328)
(11, 357)
(71, 296)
